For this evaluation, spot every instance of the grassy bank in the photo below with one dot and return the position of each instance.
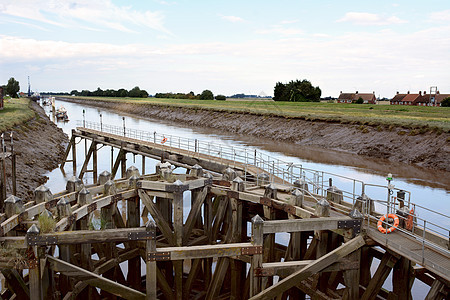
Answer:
(15, 112)
(413, 117)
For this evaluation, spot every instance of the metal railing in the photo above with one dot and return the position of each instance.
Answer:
(313, 183)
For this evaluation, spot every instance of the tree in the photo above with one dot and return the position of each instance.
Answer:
(206, 95)
(144, 94)
(446, 102)
(75, 92)
(135, 92)
(12, 87)
(297, 91)
(221, 97)
(360, 101)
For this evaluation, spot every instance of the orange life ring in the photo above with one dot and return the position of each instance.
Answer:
(164, 140)
(390, 229)
(409, 220)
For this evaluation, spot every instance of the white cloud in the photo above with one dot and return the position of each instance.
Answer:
(284, 31)
(233, 19)
(289, 21)
(440, 16)
(76, 13)
(362, 18)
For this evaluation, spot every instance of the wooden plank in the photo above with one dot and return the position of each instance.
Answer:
(16, 283)
(157, 216)
(285, 268)
(383, 270)
(151, 277)
(133, 216)
(86, 161)
(94, 279)
(435, 291)
(205, 251)
(297, 225)
(218, 277)
(193, 214)
(117, 163)
(311, 269)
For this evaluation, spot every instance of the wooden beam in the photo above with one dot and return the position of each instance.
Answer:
(92, 148)
(297, 225)
(157, 216)
(16, 283)
(94, 279)
(383, 270)
(315, 267)
(195, 211)
(435, 291)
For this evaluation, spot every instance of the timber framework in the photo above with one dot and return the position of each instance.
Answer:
(212, 222)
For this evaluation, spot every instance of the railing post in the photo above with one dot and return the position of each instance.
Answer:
(423, 242)
(123, 119)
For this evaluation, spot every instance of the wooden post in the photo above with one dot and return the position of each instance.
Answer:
(35, 282)
(237, 267)
(178, 230)
(151, 268)
(74, 154)
(13, 173)
(322, 210)
(64, 210)
(134, 264)
(257, 240)
(94, 163)
(402, 283)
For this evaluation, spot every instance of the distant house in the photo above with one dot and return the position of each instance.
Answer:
(420, 99)
(368, 98)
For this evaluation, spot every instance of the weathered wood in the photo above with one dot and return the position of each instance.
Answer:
(94, 279)
(257, 240)
(298, 225)
(194, 213)
(157, 216)
(217, 280)
(435, 291)
(92, 148)
(402, 275)
(16, 283)
(133, 220)
(352, 277)
(151, 277)
(205, 251)
(34, 276)
(119, 159)
(383, 270)
(313, 268)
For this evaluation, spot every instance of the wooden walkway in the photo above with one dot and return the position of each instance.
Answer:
(405, 245)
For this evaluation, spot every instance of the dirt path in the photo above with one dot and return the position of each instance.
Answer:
(429, 149)
(39, 145)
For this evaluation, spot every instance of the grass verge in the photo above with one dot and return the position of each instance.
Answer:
(412, 117)
(15, 112)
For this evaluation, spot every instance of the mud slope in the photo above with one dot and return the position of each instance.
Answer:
(39, 145)
(428, 150)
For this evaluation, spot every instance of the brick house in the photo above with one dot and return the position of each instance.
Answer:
(420, 99)
(368, 98)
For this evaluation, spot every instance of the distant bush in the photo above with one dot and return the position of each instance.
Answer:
(446, 102)
(221, 97)
(360, 101)
(206, 95)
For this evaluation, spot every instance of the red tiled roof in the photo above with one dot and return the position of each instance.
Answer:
(398, 97)
(410, 97)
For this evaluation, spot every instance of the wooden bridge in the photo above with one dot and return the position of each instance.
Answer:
(252, 228)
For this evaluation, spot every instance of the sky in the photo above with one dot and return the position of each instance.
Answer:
(228, 46)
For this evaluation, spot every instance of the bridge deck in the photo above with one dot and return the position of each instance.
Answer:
(249, 168)
(405, 245)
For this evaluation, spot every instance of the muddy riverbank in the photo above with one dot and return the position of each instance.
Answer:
(39, 145)
(429, 149)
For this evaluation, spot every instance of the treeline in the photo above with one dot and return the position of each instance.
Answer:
(135, 92)
(205, 95)
(297, 91)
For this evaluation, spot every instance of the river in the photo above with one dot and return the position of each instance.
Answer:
(428, 188)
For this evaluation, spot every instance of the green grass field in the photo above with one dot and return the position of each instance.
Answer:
(413, 117)
(15, 112)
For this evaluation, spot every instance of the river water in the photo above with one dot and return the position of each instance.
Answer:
(428, 188)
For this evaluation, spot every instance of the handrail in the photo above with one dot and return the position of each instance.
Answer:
(289, 173)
